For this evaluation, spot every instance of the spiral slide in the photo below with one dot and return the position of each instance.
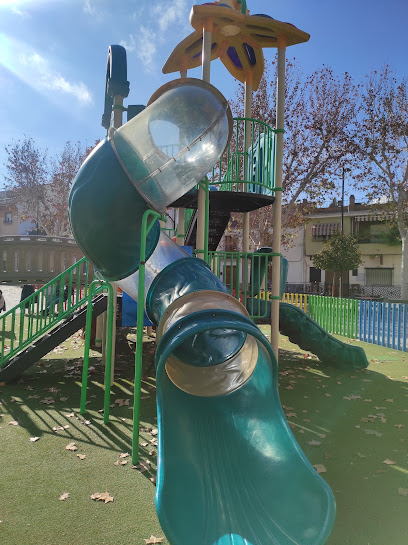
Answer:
(230, 472)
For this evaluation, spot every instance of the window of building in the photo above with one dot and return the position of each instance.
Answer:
(354, 272)
(371, 231)
(322, 231)
(378, 277)
(315, 275)
(8, 217)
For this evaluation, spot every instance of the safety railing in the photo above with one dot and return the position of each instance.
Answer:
(335, 315)
(384, 324)
(247, 164)
(33, 317)
(297, 299)
(244, 274)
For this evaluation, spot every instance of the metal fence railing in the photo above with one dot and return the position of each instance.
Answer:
(33, 317)
(384, 324)
(335, 315)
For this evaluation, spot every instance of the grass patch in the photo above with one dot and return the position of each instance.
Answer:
(358, 420)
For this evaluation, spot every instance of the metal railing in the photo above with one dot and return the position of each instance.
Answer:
(45, 308)
(245, 275)
(247, 170)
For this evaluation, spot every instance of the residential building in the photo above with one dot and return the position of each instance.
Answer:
(377, 241)
(10, 217)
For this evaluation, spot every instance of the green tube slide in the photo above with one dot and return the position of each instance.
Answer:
(230, 471)
(307, 334)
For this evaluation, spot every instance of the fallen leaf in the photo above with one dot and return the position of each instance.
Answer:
(124, 455)
(64, 496)
(152, 540)
(403, 491)
(13, 423)
(122, 402)
(389, 462)
(34, 439)
(373, 432)
(314, 443)
(399, 426)
(81, 456)
(320, 468)
(71, 446)
(104, 496)
(389, 400)
(48, 401)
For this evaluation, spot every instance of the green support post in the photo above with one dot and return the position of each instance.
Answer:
(94, 290)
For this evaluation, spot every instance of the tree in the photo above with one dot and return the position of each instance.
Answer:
(27, 175)
(64, 168)
(319, 110)
(381, 141)
(41, 185)
(339, 254)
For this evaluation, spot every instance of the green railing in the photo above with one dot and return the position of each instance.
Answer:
(335, 315)
(247, 165)
(245, 275)
(33, 317)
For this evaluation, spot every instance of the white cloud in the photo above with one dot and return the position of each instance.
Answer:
(166, 17)
(146, 43)
(46, 78)
(89, 8)
(20, 12)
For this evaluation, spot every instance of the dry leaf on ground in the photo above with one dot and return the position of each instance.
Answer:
(34, 439)
(320, 468)
(152, 540)
(389, 462)
(64, 496)
(71, 446)
(104, 496)
(403, 491)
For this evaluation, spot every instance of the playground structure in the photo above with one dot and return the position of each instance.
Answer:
(226, 453)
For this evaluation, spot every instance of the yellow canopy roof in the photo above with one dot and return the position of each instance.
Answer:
(237, 39)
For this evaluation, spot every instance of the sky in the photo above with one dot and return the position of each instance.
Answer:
(53, 55)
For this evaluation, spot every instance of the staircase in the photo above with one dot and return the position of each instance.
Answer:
(41, 322)
(217, 224)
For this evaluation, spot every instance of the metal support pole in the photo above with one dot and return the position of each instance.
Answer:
(277, 208)
(342, 228)
(248, 139)
(181, 226)
(206, 76)
(117, 120)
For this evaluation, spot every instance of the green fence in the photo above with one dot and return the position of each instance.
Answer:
(335, 315)
(45, 308)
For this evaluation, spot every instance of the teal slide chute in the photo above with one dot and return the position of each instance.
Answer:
(230, 471)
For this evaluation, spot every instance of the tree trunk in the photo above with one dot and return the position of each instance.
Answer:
(335, 291)
(404, 268)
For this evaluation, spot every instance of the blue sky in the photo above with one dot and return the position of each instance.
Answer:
(53, 54)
